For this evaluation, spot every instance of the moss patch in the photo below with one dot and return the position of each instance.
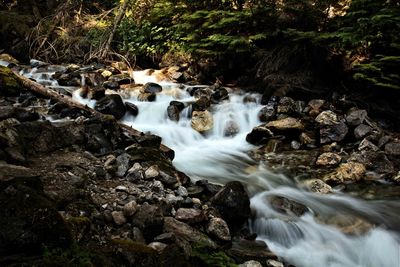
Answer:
(9, 83)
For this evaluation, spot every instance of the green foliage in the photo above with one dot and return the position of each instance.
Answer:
(74, 256)
(211, 258)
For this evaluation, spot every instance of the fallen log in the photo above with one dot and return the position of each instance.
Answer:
(58, 97)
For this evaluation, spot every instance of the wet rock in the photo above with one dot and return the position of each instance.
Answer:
(286, 105)
(267, 113)
(327, 118)
(356, 116)
(202, 92)
(94, 79)
(347, 224)
(173, 113)
(147, 97)
(333, 133)
(346, 172)
(317, 186)
(231, 129)
(259, 135)
(244, 250)
(118, 217)
(186, 235)
(219, 95)
(218, 228)
(152, 88)
(202, 121)
(274, 263)
(201, 104)
(96, 93)
(251, 264)
(288, 123)
(288, 206)
(362, 131)
(392, 148)
(112, 105)
(69, 79)
(190, 216)
(149, 219)
(177, 104)
(233, 203)
(121, 79)
(195, 191)
(167, 179)
(34, 63)
(130, 208)
(328, 159)
(131, 109)
(112, 85)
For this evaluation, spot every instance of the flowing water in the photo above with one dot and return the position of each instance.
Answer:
(303, 241)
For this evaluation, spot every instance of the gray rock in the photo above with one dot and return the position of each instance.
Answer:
(392, 148)
(295, 145)
(251, 264)
(173, 113)
(356, 116)
(173, 200)
(130, 208)
(123, 162)
(165, 238)
(167, 179)
(112, 105)
(333, 133)
(274, 263)
(149, 219)
(118, 217)
(362, 130)
(219, 228)
(181, 191)
(190, 216)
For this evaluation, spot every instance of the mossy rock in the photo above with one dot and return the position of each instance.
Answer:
(10, 85)
(135, 253)
(203, 256)
(29, 220)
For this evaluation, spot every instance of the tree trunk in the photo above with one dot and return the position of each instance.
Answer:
(117, 21)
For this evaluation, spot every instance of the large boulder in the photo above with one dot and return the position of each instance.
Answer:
(112, 105)
(202, 121)
(259, 135)
(152, 88)
(233, 203)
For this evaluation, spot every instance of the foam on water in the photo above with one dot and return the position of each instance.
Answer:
(303, 241)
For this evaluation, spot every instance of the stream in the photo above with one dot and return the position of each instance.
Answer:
(303, 241)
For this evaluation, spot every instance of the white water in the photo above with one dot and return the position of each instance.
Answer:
(301, 241)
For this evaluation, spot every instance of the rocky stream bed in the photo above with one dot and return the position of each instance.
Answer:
(216, 177)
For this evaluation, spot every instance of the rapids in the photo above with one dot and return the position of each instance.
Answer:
(302, 241)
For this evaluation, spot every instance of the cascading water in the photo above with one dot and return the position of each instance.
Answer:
(305, 240)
